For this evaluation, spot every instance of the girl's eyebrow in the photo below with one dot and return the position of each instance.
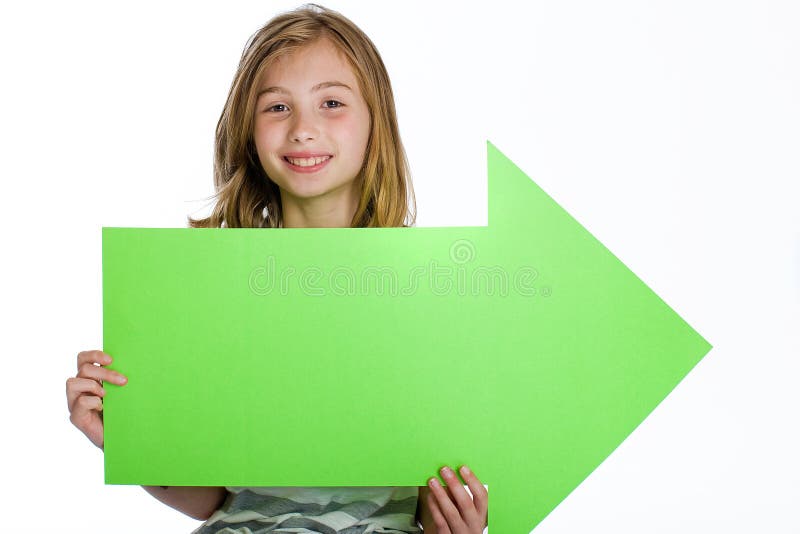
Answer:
(323, 85)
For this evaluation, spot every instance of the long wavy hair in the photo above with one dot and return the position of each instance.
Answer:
(245, 196)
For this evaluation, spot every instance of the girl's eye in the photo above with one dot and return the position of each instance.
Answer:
(330, 104)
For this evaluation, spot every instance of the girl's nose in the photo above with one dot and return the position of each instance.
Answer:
(304, 127)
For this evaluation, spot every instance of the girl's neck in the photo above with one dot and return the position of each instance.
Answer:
(320, 212)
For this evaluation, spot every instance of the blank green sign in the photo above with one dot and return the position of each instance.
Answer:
(372, 357)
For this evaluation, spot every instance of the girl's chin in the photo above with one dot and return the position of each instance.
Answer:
(309, 189)
(306, 190)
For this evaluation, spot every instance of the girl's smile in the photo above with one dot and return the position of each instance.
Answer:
(306, 161)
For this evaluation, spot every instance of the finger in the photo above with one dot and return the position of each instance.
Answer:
(479, 494)
(446, 505)
(81, 386)
(438, 519)
(86, 412)
(84, 405)
(458, 493)
(93, 356)
(95, 372)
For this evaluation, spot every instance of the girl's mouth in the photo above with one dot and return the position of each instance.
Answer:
(307, 164)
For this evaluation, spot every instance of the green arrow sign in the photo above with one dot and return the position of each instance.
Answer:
(372, 357)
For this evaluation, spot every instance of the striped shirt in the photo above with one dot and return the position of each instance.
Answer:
(326, 510)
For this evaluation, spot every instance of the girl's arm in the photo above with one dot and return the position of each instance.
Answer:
(424, 516)
(85, 401)
(198, 502)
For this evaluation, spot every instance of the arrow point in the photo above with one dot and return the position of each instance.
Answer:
(513, 197)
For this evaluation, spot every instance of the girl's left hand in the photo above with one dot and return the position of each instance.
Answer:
(453, 511)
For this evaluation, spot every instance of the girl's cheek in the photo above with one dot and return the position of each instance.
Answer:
(355, 125)
(342, 118)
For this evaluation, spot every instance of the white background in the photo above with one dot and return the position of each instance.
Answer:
(670, 130)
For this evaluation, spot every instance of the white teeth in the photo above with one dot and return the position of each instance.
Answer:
(307, 162)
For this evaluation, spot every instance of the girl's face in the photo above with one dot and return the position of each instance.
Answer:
(312, 126)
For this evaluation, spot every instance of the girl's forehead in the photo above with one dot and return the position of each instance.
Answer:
(319, 58)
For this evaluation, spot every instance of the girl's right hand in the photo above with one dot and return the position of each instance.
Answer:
(85, 392)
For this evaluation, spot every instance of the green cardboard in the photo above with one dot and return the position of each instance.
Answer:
(372, 357)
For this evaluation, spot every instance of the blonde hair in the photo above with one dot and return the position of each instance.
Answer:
(246, 197)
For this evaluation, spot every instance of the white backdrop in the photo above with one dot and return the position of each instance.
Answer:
(668, 129)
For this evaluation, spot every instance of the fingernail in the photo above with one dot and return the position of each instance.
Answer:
(446, 471)
(465, 470)
(433, 482)
(122, 379)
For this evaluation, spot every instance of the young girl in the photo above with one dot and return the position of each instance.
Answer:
(308, 138)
